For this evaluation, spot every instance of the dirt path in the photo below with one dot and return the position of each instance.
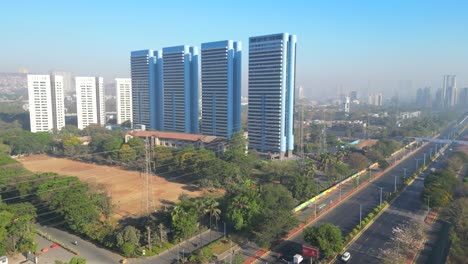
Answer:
(125, 187)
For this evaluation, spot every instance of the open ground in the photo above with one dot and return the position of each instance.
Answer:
(124, 186)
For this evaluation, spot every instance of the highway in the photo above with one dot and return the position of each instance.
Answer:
(346, 214)
(406, 208)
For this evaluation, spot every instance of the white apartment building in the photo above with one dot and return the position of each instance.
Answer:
(123, 87)
(58, 104)
(46, 105)
(90, 106)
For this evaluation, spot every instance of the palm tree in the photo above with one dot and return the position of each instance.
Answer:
(177, 213)
(200, 206)
(241, 202)
(212, 209)
(325, 160)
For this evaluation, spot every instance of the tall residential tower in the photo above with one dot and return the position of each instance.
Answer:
(46, 105)
(90, 101)
(123, 88)
(221, 88)
(272, 61)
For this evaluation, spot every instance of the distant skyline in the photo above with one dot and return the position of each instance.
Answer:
(369, 46)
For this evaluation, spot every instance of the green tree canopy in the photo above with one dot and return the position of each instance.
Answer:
(127, 154)
(327, 237)
(357, 161)
(275, 218)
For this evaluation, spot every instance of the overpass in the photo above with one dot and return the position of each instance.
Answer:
(441, 141)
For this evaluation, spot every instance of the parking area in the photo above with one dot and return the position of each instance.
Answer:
(51, 254)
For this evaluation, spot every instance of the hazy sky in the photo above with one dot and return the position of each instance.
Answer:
(342, 45)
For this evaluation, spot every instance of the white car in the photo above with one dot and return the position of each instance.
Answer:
(346, 256)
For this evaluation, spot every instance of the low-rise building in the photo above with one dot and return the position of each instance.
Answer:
(180, 140)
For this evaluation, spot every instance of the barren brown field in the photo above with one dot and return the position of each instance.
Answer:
(125, 187)
(366, 143)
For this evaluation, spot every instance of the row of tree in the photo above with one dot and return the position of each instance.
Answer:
(440, 186)
(17, 228)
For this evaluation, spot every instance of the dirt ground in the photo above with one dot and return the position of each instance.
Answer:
(366, 143)
(125, 187)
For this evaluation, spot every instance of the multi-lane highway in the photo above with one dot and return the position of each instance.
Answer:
(406, 208)
(346, 214)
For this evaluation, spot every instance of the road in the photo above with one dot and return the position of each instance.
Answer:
(183, 249)
(407, 207)
(96, 255)
(87, 250)
(346, 214)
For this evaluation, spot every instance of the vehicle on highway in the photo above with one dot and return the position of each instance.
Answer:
(346, 256)
(54, 246)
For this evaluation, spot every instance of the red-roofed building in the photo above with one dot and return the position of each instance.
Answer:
(180, 140)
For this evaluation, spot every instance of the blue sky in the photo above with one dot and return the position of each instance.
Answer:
(342, 45)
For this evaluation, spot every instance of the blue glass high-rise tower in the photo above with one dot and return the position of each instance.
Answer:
(146, 67)
(180, 89)
(272, 61)
(221, 88)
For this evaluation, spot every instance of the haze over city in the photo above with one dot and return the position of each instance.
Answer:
(369, 46)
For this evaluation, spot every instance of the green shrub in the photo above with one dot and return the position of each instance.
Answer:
(371, 215)
(128, 249)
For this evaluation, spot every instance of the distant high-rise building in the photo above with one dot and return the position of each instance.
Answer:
(353, 96)
(271, 93)
(221, 88)
(449, 90)
(90, 103)
(439, 100)
(46, 110)
(371, 99)
(67, 81)
(463, 98)
(379, 100)
(146, 88)
(345, 102)
(124, 99)
(375, 99)
(180, 88)
(424, 97)
(301, 95)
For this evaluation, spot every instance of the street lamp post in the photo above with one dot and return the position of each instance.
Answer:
(315, 212)
(340, 191)
(360, 215)
(395, 182)
(381, 190)
(404, 171)
(417, 163)
(428, 198)
(424, 160)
